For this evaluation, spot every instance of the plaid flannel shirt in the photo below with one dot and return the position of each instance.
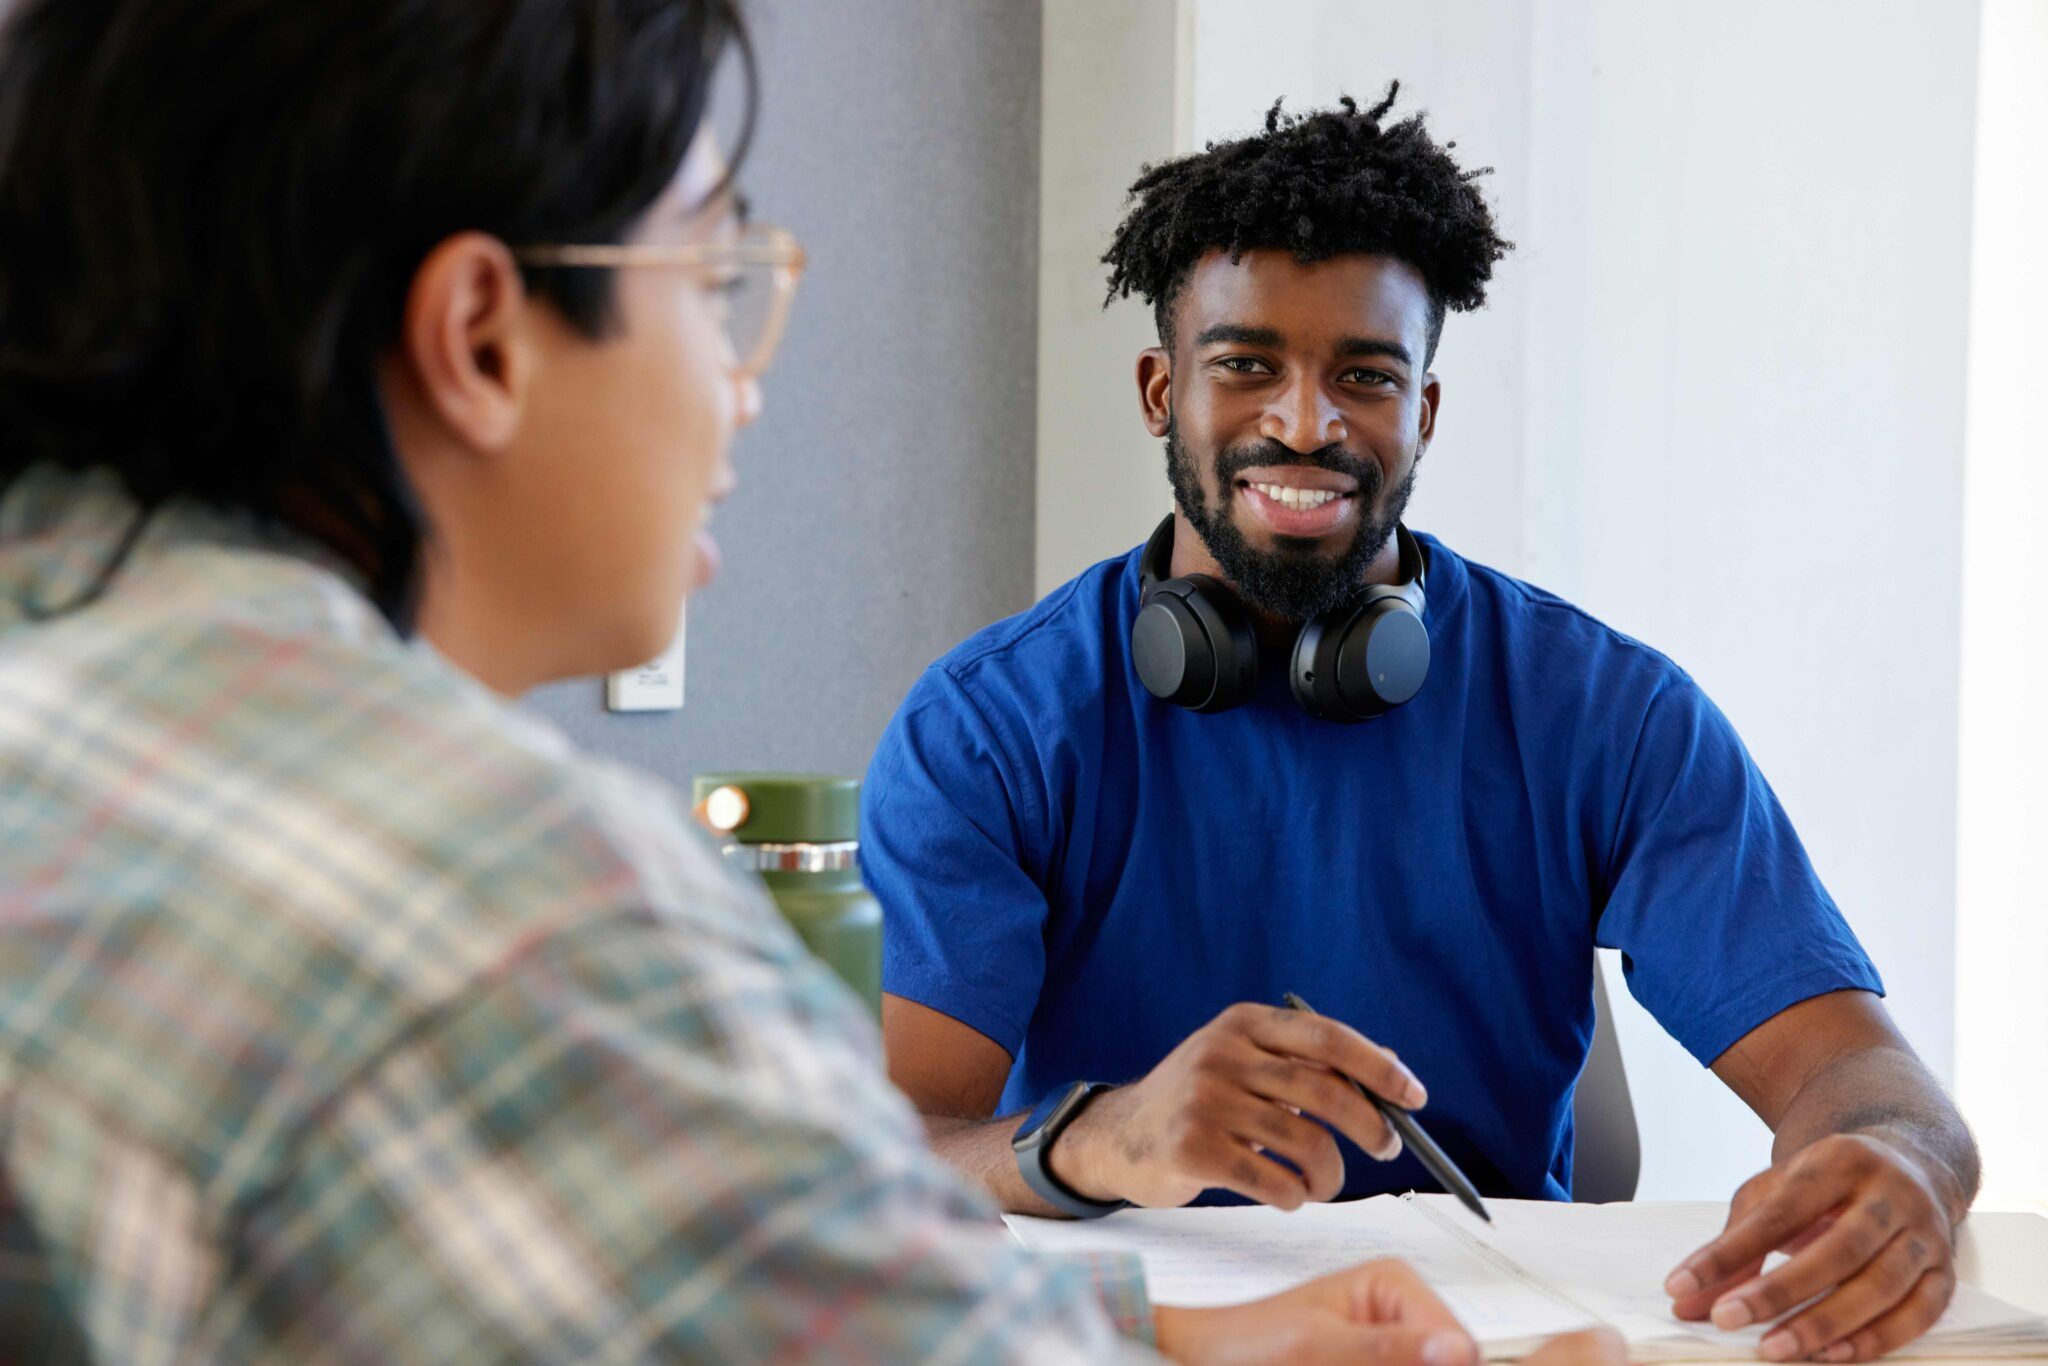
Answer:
(347, 1014)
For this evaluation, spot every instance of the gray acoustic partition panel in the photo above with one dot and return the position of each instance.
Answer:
(885, 507)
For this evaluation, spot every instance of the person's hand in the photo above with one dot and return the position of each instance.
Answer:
(1379, 1313)
(1871, 1233)
(1376, 1314)
(1592, 1347)
(1256, 1077)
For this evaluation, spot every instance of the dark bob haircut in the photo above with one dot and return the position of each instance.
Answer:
(1328, 183)
(211, 212)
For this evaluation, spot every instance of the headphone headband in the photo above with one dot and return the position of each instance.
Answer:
(1155, 566)
(1193, 644)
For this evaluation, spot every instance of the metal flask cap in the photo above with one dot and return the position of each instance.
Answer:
(787, 822)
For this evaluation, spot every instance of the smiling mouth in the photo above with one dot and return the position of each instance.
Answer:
(1293, 496)
(1306, 503)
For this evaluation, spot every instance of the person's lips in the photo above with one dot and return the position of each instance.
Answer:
(709, 559)
(1299, 500)
(1307, 478)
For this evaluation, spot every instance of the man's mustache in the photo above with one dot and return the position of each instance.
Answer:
(1235, 460)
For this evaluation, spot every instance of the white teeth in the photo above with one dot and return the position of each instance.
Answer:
(1287, 496)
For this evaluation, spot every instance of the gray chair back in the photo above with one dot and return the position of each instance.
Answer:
(1610, 1155)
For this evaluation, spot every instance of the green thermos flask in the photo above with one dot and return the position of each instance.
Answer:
(800, 834)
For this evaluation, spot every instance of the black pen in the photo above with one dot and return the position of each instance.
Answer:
(1421, 1144)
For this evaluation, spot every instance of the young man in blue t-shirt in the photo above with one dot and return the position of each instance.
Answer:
(1111, 832)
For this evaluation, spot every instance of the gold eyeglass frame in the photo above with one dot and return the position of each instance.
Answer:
(759, 244)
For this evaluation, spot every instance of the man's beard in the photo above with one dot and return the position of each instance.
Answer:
(1294, 581)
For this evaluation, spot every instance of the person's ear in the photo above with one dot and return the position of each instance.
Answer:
(1155, 389)
(466, 339)
(1432, 399)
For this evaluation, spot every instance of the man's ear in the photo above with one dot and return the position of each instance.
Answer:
(1432, 400)
(466, 340)
(1155, 389)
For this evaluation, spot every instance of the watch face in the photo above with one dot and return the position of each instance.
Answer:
(1041, 1128)
(1034, 1123)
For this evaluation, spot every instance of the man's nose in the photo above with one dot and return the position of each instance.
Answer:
(1302, 417)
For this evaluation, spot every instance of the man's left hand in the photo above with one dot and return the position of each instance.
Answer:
(1870, 1229)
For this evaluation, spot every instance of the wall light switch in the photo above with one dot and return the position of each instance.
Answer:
(655, 686)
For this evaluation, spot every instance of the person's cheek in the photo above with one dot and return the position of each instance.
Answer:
(704, 380)
(710, 416)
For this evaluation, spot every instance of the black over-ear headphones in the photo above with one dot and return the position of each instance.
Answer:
(1193, 643)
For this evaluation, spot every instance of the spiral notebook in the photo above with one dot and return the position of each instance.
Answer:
(1540, 1269)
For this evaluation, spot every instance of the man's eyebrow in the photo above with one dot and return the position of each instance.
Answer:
(1372, 346)
(1241, 334)
(1246, 335)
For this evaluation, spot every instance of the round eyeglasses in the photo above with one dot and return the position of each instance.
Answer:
(754, 277)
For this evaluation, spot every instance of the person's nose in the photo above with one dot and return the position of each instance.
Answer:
(747, 399)
(1301, 417)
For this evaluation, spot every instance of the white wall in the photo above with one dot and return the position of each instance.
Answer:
(1467, 64)
(1717, 398)
(2002, 940)
(1751, 238)
(1112, 101)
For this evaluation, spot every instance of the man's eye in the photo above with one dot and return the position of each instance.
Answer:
(1367, 377)
(1242, 365)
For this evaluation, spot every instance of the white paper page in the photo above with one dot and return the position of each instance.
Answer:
(1539, 1269)
(1237, 1253)
(1613, 1259)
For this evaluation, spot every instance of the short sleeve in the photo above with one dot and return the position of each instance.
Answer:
(946, 849)
(1719, 915)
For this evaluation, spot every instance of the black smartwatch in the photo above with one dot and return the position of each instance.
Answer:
(1034, 1140)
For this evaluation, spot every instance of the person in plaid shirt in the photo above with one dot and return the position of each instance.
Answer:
(364, 363)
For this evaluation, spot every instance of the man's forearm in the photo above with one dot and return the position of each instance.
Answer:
(1888, 1094)
(979, 1149)
(1871, 1172)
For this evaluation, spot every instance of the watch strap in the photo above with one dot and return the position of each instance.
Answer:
(1033, 1145)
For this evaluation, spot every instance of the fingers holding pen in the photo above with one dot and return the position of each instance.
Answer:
(1242, 1104)
(1302, 1033)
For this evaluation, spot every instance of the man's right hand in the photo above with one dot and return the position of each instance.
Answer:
(1256, 1077)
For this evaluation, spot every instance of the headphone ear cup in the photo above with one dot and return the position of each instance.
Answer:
(1193, 645)
(1312, 670)
(1360, 661)
(1171, 651)
(1384, 658)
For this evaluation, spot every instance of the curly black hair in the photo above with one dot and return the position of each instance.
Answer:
(1325, 183)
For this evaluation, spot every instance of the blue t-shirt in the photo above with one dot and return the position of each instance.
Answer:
(1087, 875)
